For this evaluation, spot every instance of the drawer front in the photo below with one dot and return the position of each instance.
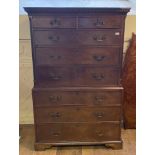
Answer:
(77, 76)
(104, 21)
(81, 37)
(99, 37)
(61, 56)
(76, 114)
(53, 22)
(78, 132)
(54, 37)
(55, 76)
(76, 97)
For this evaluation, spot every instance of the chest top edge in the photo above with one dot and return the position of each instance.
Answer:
(51, 10)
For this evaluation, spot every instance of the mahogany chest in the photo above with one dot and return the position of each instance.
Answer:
(77, 61)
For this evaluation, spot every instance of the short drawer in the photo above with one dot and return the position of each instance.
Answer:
(80, 37)
(77, 132)
(62, 56)
(99, 37)
(97, 22)
(54, 37)
(55, 97)
(77, 76)
(76, 114)
(54, 76)
(53, 22)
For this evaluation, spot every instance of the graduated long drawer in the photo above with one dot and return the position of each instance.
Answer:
(77, 76)
(78, 132)
(76, 114)
(46, 97)
(49, 56)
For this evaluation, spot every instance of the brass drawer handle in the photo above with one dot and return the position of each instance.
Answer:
(55, 77)
(98, 58)
(55, 22)
(99, 98)
(55, 98)
(99, 114)
(99, 39)
(99, 23)
(55, 133)
(55, 57)
(100, 134)
(54, 38)
(98, 77)
(55, 115)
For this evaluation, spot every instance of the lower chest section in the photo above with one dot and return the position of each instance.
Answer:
(74, 115)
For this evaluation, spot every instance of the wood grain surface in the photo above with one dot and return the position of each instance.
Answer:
(51, 124)
(26, 112)
(26, 146)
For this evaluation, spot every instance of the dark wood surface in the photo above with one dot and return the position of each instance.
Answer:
(54, 22)
(107, 56)
(89, 10)
(104, 21)
(61, 132)
(26, 145)
(77, 56)
(77, 76)
(76, 114)
(97, 22)
(78, 37)
(48, 97)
